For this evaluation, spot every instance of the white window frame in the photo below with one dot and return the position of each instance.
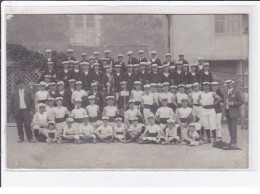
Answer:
(226, 25)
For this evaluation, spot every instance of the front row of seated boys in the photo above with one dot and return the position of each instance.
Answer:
(113, 132)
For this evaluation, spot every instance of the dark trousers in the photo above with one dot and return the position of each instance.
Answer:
(24, 118)
(232, 127)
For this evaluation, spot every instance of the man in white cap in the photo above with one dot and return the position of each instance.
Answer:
(50, 70)
(97, 75)
(120, 62)
(132, 60)
(154, 59)
(181, 58)
(110, 60)
(104, 133)
(49, 58)
(155, 76)
(177, 75)
(118, 77)
(130, 77)
(86, 76)
(69, 55)
(75, 73)
(193, 75)
(205, 75)
(169, 60)
(62, 93)
(65, 74)
(69, 92)
(232, 103)
(84, 57)
(141, 57)
(95, 91)
(108, 81)
(96, 57)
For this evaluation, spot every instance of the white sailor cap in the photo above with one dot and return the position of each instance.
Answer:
(95, 64)
(104, 59)
(48, 51)
(131, 101)
(105, 118)
(51, 122)
(181, 85)
(106, 66)
(41, 105)
(143, 63)
(137, 83)
(78, 82)
(91, 57)
(166, 84)
(118, 119)
(136, 65)
(42, 84)
(229, 82)
(107, 51)
(65, 62)
(78, 100)
(192, 124)
(170, 121)
(120, 55)
(214, 83)
(76, 62)
(173, 87)
(110, 98)
(51, 84)
(153, 52)
(200, 59)
(141, 51)
(94, 84)
(185, 99)
(70, 50)
(60, 83)
(129, 65)
(206, 83)
(181, 54)
(83, 54)
(168, 54)
(154, 65)
(148, 63)
(72, 80)
(206, 64)
(118, 66)
(160, 85)
(151, 116)
(69, 120)
(166, 65)
(185, 65)
(123, 82)
(172, 67)
(147, 86)
(58, 98)
(84, 63)
(179, 63)
(130, 53)
(50, 63)
(153, 84)
(188, 86)
(50, 99)
(92, 97)
(195, 84)
(96, 53)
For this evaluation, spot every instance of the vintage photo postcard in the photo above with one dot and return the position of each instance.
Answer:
(93, 90)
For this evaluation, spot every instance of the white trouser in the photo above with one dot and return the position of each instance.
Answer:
(219, 127)
(208, 118)
(60, 127)
(147, 113)
(184, 132)
(196, 112)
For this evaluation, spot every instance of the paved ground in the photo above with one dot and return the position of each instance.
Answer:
(124, 156)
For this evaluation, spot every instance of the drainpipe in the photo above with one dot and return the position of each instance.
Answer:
(169, 32)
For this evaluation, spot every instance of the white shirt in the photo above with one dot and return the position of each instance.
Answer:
(78, 113)
(86, 129)
(180, 96)
(179, 71)
(131, 114)
(50, 113)
(153, 128)
(22, 102)
(167, 95)
(60, 112)
(78, 94)
(164, 112)
(110, 111)
(184, 112)
(195, 96)
(137, 95)
(148, 99)
(40, 119)
(105, 130)
(41, 95)
(206, 98)
(92, 110)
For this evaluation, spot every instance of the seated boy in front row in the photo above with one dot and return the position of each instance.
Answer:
(119, 130)
(171, 135)
(70, 132)
(104, 133)
(86, 131)
(134, 132)
(193, 136)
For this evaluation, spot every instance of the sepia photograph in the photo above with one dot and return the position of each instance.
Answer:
(127, 91)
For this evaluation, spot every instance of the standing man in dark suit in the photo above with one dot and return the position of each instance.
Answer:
(154, 59)
(232, 103)
(169, 60)
(142, 58)
(86, 76)
(69, 55)
(96, 56)
(132, 60)
(177, 75)
(84, 57)
(21, 106)
(121, 63)
(110, 60)
(205, 75)
(181, 58)
(49, 58)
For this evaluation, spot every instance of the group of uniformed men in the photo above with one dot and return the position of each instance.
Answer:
(154, 102)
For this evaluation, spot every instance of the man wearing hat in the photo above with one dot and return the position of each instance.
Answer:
(166, 75)
(84, 57)
(123, 96)
(110, 60)
(193, 75)
(50, 70)
(169, 61)
(205, 75)
(52, 89)
(49, 58)
(181, 58)
(86, 76)
(132, 60)
(69, 92)
(108, 81)
(185, 74)
(118, 77)
(177, 75)
(143, 74)
(130, 77)
(155, 76)
(62, 93)
(232, 102)
(22, 104)
(141, 57)
(154, 59)
(65, 74)
(95, 91)
(104, 133)
(121, 63)
(96, 57)
(69, 55)
(97, 75)
(244, 108)
(75, 73)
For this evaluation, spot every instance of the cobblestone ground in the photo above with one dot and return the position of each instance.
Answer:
(124, 156)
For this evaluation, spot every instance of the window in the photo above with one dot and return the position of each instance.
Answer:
(227, 24)
(84, 30)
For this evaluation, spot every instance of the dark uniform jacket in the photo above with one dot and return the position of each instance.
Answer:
(130, 79)
(156, 61)
(132, 61)
(98, 98)
(117, 80)
(70, 59)
(75, 75)
(143, 77)
(64, 76)
(171, 63)
(86, 79)
(51, 73)
(177, 78)
(123, 67)
(52, 94)
(235, 97)
(56, 64)
(15, 102)
(97, 77)
(107, 79)
(69, 94)
(66, 98)
(185, 78)
(205, 78)
(193, 78)
(217, 106)
(167, 78)
(155, 77)
(142, 60)
(184, 61)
